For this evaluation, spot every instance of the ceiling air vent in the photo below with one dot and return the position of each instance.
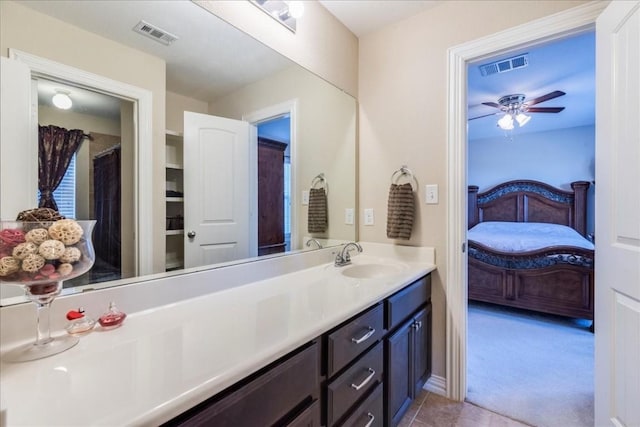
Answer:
(505, 65)
(155, 33)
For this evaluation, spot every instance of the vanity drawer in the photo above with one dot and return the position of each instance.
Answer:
(354, 384)
(369, 413)
(275, 395)
(403, 304)
(350, 340)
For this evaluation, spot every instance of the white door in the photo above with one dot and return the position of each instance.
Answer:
(220, 189)
(617, 280)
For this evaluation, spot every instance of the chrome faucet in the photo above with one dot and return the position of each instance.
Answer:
(310, 241)
(344, 257)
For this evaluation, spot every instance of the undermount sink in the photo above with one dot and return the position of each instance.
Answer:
(370, 271)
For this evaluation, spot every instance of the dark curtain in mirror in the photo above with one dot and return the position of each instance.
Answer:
(106, 237)
(56, 147)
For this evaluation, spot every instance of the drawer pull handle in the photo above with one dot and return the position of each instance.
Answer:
(371, 419)
(364, 337)
(365, 381)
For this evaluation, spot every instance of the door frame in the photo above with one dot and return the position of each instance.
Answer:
(553, 27)
(287, 107)
(142, 120)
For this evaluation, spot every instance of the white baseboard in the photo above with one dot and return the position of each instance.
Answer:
(437, 385)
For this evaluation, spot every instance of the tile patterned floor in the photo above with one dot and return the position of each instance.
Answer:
(432, 410)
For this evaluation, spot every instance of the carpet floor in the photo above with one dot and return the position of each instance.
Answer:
(532, 367)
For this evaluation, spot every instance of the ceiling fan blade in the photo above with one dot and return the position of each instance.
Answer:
(545, 109)
(486, 115)
(546, 97)
(491, 104)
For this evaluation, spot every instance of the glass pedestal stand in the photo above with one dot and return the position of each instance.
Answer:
(45, 345)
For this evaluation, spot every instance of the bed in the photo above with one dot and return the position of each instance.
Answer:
(528, 248)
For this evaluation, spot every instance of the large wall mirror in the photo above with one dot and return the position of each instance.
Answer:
(302, 130)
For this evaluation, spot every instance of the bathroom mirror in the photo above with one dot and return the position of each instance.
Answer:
(249, 85)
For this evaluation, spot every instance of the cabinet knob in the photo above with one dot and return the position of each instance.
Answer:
(191, 234)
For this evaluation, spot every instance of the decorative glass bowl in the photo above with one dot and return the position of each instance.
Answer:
(39, 256)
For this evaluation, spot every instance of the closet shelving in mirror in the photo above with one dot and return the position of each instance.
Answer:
(174, 231)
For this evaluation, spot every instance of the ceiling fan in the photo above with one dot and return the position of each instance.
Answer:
(515, 107)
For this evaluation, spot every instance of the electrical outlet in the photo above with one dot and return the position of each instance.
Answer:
(348, 216)
(368, 217)
(431, 194)
(305, 197)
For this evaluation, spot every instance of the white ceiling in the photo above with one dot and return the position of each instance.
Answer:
(365, 16)
(210, 58)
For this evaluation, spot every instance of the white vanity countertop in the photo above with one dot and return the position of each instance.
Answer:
(165, 360)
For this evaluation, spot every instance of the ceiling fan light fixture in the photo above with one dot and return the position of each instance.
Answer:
(506, 122)
(62, 100)
(522, 119)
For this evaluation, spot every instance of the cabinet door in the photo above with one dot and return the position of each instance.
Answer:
(399, 386)
(421, 349)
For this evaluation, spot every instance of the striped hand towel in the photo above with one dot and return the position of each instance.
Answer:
(400, 211)
(317, 215)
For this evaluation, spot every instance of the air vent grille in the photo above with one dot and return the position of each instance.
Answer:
(505, 65)
(155, 33)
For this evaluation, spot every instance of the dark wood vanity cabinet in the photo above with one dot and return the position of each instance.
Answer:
(384, 352)
(364, 372)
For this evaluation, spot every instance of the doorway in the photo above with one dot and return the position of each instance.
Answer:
(573, 21)
(276, 127)
(136, 105)
(96, 184)
(531, 366)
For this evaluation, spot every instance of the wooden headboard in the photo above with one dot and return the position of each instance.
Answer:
(530, 201)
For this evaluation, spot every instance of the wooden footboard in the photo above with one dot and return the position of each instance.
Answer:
(565, 290)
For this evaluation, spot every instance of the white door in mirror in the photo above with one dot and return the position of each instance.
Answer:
(220, 192)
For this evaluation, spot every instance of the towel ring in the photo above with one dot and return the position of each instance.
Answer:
(403, 171)
(320, 180)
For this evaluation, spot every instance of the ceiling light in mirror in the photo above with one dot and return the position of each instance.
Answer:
(62, 100)
(285, 12)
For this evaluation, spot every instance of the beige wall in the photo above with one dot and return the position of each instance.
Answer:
(176, 106)
(326, 138)
(403, 112)
(41, 35)
(321, 43)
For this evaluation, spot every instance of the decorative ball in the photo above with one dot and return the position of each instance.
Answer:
(37, 235)
(51, 249)
(23, 249)
(65, 269)
(8, 265)
(32, 263)
(71, 255)
(67, 231)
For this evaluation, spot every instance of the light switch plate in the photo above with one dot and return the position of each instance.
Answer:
(431, 194)
(348, 216)
(368, 217)
(305, 197)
